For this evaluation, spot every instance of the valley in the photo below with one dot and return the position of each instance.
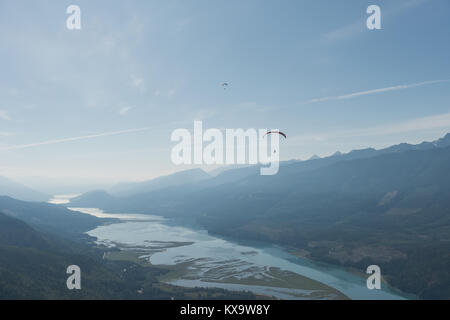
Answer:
(195, 258)
(388, 207)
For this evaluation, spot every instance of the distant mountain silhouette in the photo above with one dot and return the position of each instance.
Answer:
(216, 172)
(52, 218)
(176, 179)
(314, 157)
(167, 185)
(443, 142)
(389, 207)
(93, 199)
(19, 191)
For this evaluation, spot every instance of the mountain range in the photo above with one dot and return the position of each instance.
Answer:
(183, 177)
(19, 191)
(49, 217)
(389, 207)
(33, 266)
(34, 260)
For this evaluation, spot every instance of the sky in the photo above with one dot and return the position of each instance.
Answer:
(99, 104)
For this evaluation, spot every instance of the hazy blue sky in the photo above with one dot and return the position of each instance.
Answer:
(310, 68)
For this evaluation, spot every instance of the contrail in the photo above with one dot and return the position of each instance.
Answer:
(375, 91)
(105, 134)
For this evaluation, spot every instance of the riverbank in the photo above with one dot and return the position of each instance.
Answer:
(198, 259)
(303, 287)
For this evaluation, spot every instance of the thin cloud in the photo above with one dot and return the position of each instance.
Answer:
(374, 91)
(358, 27)
(345, 32)
(98, 135)
(425, 123)
(137, 81)
(4, 115)
(125, 110)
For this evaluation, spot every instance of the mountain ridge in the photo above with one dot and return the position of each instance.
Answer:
(19, 191)
(178, 178)
(237, 174)
(388, 207)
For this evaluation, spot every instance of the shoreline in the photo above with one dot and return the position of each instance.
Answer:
(179, 272)
(357, 272)
(284, 250)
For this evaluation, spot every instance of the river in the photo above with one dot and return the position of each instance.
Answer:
(217, 262)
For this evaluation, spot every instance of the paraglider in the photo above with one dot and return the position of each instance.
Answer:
(279, 132)
(275, 131)
(224, 85)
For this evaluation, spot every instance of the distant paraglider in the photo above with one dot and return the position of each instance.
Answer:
(224, 85)
(279, 132)
(273, 132)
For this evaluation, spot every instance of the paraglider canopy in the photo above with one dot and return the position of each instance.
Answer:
(275, 131)
(224, 85)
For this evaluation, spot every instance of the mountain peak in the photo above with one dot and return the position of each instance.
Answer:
(443, 142)
(337, 154)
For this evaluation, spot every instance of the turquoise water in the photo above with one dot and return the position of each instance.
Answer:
(213, 258)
